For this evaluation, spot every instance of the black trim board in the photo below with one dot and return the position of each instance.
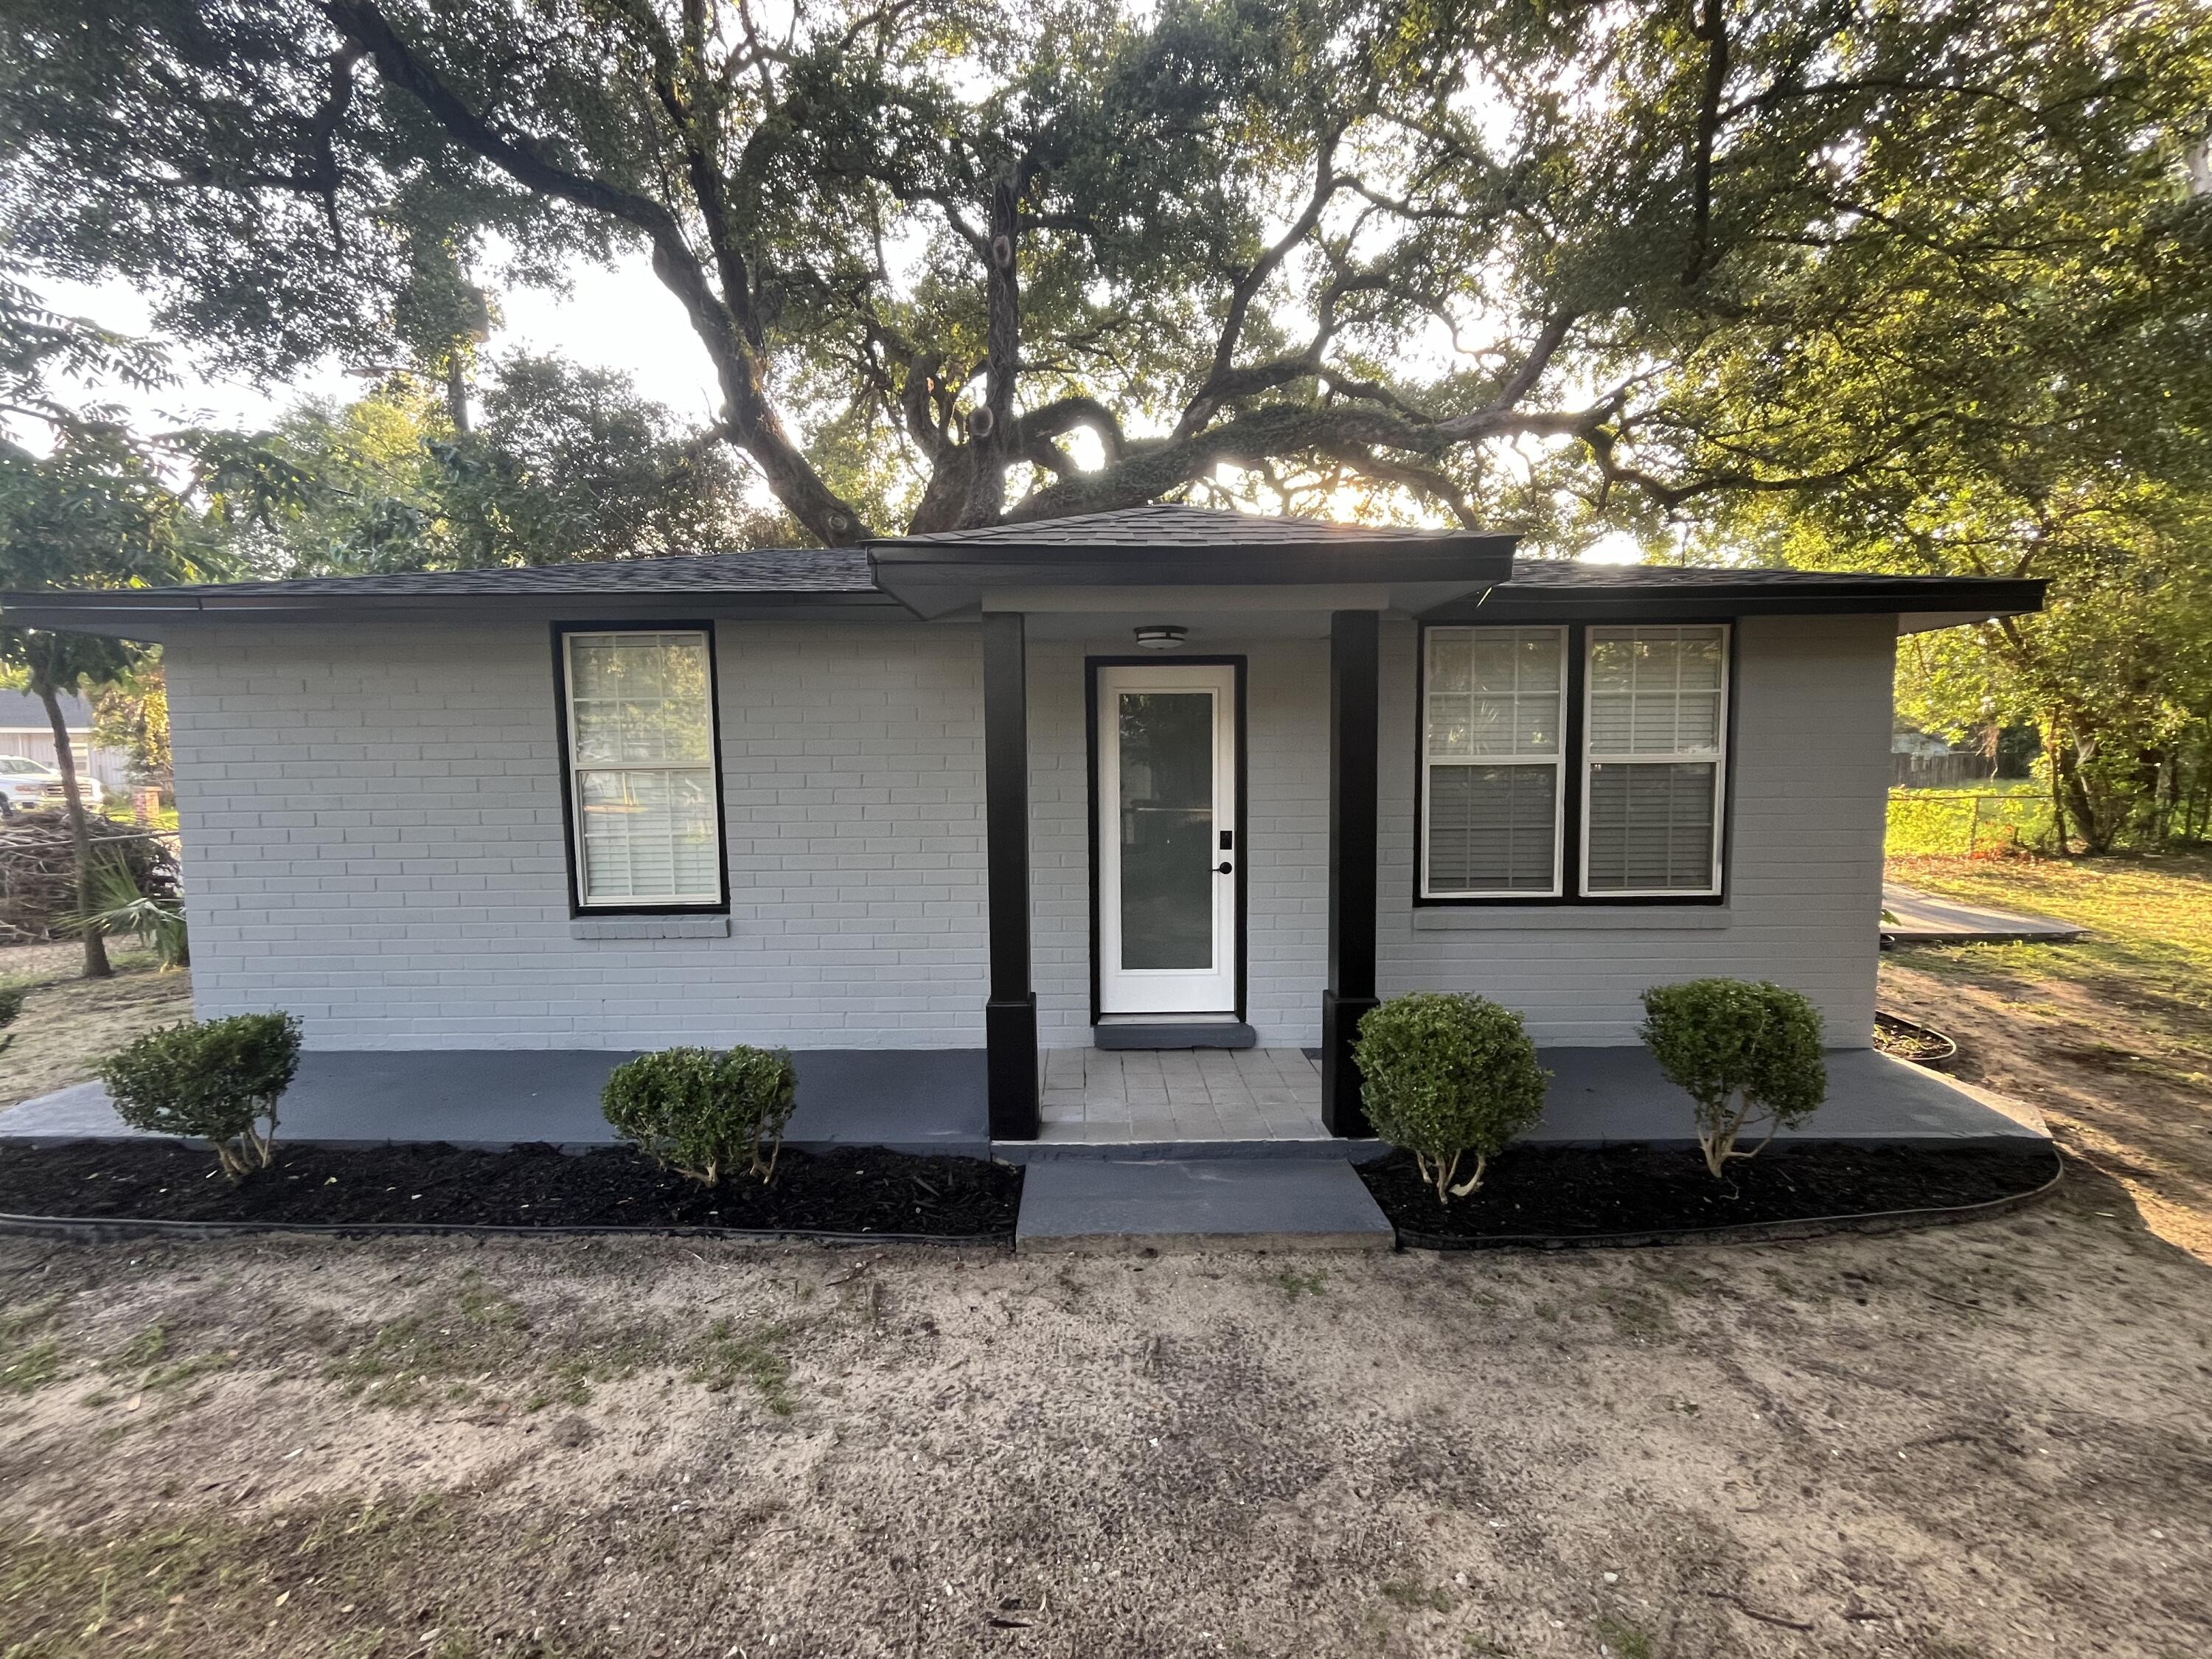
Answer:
(1243, 848)
(564, 743)
(1802, 595)
(1573, 765)
(1010, 1008)
(1355, 681)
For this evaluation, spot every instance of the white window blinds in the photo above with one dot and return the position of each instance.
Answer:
(641, 764)
(1656, 729)
(1495, 706)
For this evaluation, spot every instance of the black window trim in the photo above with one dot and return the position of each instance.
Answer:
(1573, 767)
(565, 743)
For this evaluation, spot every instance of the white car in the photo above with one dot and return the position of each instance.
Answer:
(25, 782)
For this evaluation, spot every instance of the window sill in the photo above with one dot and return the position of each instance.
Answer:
(649, 927)
(1627, 918)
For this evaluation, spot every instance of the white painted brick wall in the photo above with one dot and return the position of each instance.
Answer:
(1811, 767)
(372, 818)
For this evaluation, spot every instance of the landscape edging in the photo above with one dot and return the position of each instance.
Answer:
(93, 1229)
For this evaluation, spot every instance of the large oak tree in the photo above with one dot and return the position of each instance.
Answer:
(953, 261)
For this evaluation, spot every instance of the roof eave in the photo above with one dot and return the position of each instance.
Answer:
(937, 578)
(1926, 605)
(152, 614)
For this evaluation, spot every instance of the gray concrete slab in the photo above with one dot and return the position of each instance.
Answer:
(1109, 1205)
(911, 1100)
(1911, 917)
(1602, 1095)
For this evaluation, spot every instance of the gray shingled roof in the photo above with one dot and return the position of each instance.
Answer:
(1166, 523)
(22, 712)
(764, 570)
(845, 572)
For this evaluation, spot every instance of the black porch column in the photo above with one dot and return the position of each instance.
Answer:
(1010, 1015)
(1349, 993)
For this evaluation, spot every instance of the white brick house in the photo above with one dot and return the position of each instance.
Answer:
(935, 794)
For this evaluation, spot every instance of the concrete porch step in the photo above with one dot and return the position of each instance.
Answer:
(1100, 1205)
(1133, 1152)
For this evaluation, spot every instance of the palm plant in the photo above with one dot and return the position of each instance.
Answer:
(114, 907)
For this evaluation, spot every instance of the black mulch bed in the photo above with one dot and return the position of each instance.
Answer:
(1587, 1191)
(860, 1190)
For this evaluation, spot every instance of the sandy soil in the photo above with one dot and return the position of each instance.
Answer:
(68, 1023)
(1980, 1441)
(2137, 1105)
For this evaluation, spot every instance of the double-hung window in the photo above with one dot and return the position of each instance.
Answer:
(1497, 716)
(1656, 719)
(644, 793)
(1582, 762)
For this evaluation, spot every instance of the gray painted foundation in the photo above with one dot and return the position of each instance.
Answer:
(932, 1100)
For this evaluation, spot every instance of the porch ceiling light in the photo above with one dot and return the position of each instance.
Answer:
(1160, 636)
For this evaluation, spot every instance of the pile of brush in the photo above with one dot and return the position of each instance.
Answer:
(37, 868)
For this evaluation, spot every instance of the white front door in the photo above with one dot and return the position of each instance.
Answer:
(1168, 862)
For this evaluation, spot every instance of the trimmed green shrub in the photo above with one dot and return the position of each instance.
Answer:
(215, 1081)
(697, 1111)
(1745, 1051)
(1447, 1075)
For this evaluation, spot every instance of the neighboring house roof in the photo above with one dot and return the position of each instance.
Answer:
(1443, 574)
(22, 712)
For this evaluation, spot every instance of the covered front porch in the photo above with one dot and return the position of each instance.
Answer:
(1254, 1102)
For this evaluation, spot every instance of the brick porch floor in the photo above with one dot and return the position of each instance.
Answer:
(1183, 1094)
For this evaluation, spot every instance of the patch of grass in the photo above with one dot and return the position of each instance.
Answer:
(1416, 1597)
(335, 1576)
(2148, 915)
(469, 1344)
(727, 1356)
(1295, 1285)
(144, 1355)
(28, 1359)
(1625, 1640)
(1633, 1313)
(2150, 943)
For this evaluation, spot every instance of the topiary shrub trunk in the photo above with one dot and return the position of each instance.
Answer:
(698, 1111)
(1743, 1050)
(216, 1080)
(1445, 1075)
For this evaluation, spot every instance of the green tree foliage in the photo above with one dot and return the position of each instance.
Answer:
(566, 464)
(1745, 1051)
(1444, 1075)
(92, 512)
(1540, 265)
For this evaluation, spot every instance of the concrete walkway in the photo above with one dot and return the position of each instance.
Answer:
(1911, 917)
(927, 1100)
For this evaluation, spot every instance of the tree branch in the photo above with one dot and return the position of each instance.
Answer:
(1212, 394)
(1711, 28)
(750, 415)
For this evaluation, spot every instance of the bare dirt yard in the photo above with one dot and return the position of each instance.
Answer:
(68, 1023)
(1981, 1441)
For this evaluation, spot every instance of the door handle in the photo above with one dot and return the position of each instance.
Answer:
(1223, 869)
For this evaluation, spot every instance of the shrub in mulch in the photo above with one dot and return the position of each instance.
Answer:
(858, 1190)
(1542, 1192)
